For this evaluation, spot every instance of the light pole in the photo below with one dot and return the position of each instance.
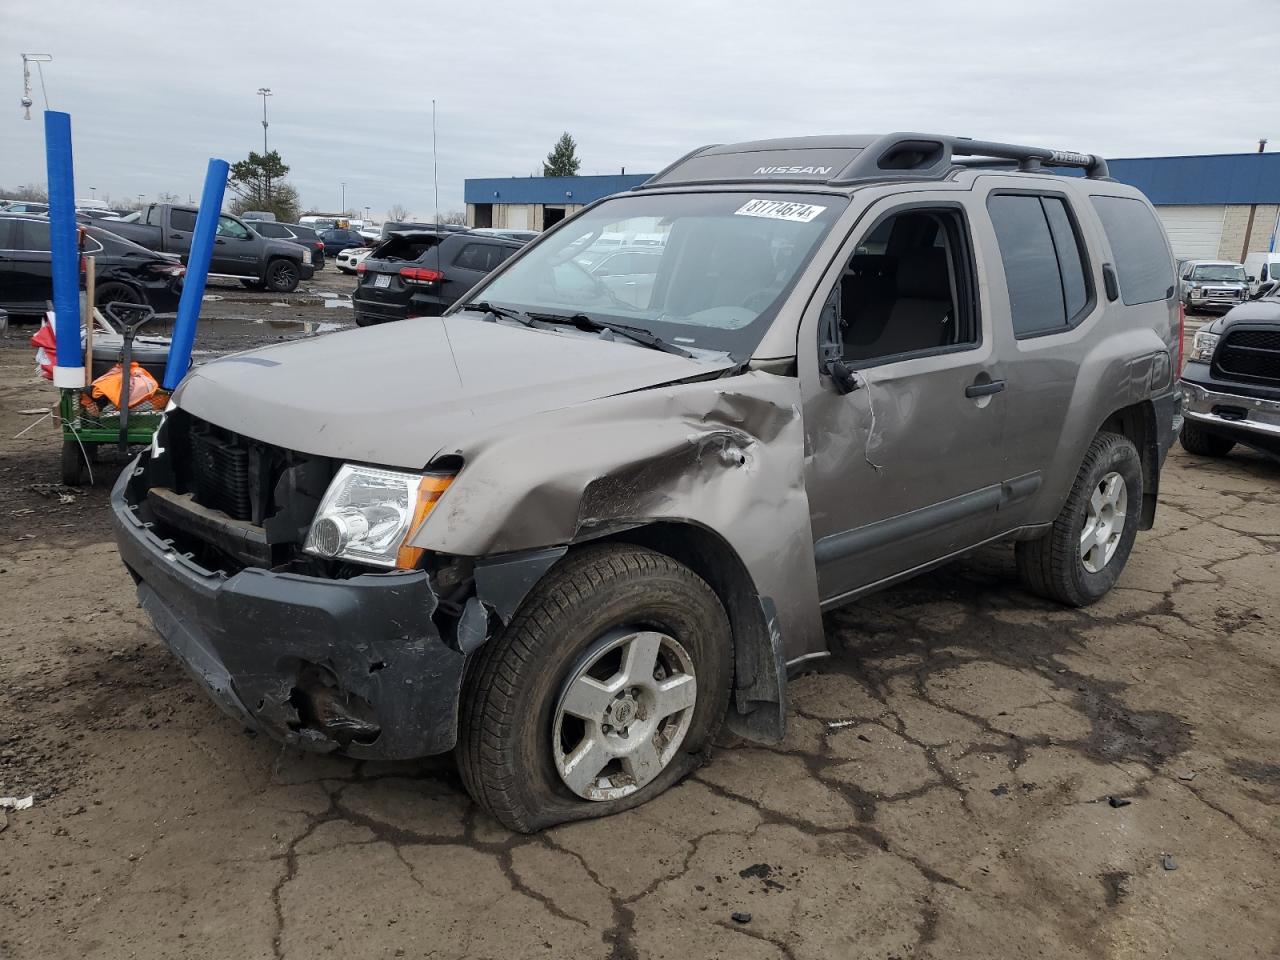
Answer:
(343, 209)
(93, 193)
(264, 92)
(366, 215)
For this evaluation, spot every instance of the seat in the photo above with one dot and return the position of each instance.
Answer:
(919, 315)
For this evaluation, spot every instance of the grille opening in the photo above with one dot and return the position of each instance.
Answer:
(1250, 355)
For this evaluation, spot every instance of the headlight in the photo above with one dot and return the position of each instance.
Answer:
(1203, 345)
(367, 515)
(1197, 291)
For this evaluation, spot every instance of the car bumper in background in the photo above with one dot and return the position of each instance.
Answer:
(1253, 420)
(352, 665)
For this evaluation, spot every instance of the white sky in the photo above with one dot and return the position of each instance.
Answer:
(156, 87)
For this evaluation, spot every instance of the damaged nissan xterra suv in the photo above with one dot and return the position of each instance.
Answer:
(577, 523)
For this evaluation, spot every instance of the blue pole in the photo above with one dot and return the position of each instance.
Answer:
(184, 328)
(69, 370)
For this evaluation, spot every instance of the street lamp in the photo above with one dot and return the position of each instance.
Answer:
(343, 208)
(366, 213)
(264, 92)
(93, 193)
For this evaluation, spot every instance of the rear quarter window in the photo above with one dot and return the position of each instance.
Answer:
(1142, 262)
(481, 256)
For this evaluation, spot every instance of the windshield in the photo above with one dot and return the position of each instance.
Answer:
(704, 270)
(1219, 271)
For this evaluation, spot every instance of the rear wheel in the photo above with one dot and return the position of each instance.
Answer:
(1081, 557)
(116, 292)
(606, 688)
(282, 276)
(1203, 443)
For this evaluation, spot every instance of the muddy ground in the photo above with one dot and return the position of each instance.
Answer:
(944, 790)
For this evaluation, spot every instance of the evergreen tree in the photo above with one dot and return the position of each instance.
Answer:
(563, 160)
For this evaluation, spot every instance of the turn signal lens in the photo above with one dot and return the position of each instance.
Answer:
(430, 490)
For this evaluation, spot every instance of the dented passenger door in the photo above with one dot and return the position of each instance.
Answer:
(904, 407)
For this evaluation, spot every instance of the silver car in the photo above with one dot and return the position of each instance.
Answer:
(572, 528)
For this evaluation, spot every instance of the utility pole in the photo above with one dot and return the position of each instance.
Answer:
(344, 197)
(1253, 212)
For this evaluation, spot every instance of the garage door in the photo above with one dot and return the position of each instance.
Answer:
(1194, 232)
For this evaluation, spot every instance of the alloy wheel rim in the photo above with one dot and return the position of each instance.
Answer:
(1104, 522)
(623, 712)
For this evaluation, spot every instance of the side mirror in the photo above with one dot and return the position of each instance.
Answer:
(844, 378)
(1251, 279)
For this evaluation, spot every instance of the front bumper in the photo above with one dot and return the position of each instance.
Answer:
(1215, 302)
(277, 651)
(1252, 420)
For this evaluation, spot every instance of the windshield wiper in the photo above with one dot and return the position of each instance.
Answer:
(637, 334)
(485, 306)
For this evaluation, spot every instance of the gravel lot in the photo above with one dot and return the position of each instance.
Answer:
(944, 790)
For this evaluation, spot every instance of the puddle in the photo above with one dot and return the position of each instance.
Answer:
(308, 328)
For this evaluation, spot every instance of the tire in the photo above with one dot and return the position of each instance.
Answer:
(116, 292)
(282, 276)
(1056, 566)
(74, 473)
(1202, 442)
(511, 722)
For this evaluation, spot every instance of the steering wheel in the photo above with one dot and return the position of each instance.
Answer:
(758, 300)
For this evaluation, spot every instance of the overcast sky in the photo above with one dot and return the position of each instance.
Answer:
(156, 88)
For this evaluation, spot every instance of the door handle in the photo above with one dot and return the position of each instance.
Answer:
(983, 389)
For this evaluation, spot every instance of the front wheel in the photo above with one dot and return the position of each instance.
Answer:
(1081, 557)
(282, 276)
(606, 688)
(1203, 443)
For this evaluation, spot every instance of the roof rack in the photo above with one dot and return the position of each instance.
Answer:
(929, 156)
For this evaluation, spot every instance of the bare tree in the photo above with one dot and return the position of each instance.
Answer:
(35, 192)
(455, 216)
(397, 212)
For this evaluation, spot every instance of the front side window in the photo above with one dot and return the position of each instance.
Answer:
(231, 228)
(723, 265)
(1142, 262)
(1043, 262)
(908, 288)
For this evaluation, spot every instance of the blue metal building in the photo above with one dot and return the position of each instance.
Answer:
(1213, 206)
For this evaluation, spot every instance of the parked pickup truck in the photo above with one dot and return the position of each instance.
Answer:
(1231, 383)
(239, 252)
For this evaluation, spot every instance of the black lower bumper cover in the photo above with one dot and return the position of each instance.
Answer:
(250, 639)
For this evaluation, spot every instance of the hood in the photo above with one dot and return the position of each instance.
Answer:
(400, 393)
(1266, 310)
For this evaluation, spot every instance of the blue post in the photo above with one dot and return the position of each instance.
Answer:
(184, 328)
(69, 371)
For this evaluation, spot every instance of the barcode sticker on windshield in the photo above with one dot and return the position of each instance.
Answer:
(779, 210)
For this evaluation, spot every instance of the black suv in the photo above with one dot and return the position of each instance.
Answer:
(421, 272)
(295, 233)
(339, 239)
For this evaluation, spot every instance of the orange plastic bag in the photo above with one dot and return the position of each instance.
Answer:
(142, 385)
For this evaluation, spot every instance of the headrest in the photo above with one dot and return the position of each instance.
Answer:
(923, 275)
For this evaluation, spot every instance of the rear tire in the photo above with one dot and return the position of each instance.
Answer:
(518, 727)
(1104, 506)
(282, 276)
(1202, 442)
(115, 292)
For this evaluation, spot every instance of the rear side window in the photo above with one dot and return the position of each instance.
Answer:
(481, 256)
(182, 219)
(1043, 262)
(34, 235)
(8, 234)
(1138, 246)
(405, 247)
